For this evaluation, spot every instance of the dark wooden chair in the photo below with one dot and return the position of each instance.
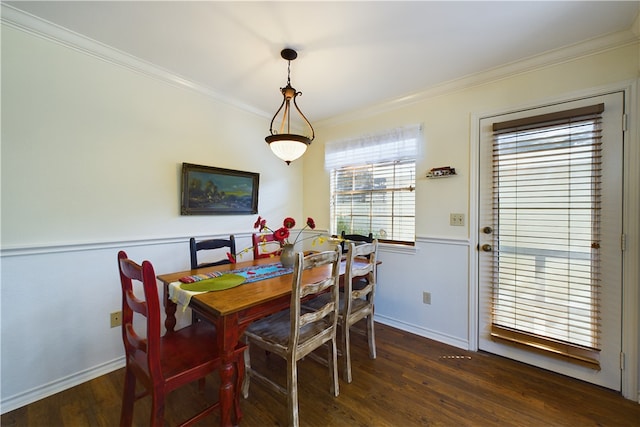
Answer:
(162, 363)
(294, 333)
(355, 303)
(211, 245)
(264, 245)
(354, 238)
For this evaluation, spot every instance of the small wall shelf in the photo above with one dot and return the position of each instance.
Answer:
(441, 172)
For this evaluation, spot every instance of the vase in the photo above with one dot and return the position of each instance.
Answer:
(288, 255)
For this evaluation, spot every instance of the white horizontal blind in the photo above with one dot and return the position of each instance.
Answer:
(377, 199)
(546, 186)
(373, 183)
(391, 145)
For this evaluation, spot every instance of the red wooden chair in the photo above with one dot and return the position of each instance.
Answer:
(162, 363)
(264, 246)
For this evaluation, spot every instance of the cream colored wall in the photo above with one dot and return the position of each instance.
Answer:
(447, 132)
(92, 152)
(443, 262)
(91, 158)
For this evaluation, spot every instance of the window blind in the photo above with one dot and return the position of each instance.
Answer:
(391, 145)
(546, 204)
(373, 183)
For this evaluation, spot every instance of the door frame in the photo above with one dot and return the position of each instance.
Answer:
(630, 224)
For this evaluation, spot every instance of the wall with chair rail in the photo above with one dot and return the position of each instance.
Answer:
(444, 262)
(92, 149)
(91, 154)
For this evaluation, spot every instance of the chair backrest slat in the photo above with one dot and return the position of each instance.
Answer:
(131, 272)
(363, 252)
(330, 282)
(358, 238)
(265, 245)
(209, 245)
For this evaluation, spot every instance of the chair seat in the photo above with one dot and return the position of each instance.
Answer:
(359, 283)
(199, 338)
(275, 330)
(321, 300)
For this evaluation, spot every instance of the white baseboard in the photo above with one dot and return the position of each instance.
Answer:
(423, 332)
(19, 400)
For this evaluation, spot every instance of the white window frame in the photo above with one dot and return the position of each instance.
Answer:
(376, 153)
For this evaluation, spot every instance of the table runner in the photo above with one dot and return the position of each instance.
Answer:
(251, 274)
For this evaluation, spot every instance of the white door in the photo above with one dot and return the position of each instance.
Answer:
(540, 258)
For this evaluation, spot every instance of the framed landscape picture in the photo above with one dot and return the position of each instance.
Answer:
(209, 190)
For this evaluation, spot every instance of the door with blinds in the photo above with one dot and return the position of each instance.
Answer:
(549, 243)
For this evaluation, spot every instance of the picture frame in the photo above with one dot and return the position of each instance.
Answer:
(208, 190)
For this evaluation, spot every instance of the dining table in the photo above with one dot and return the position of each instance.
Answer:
(232, 311)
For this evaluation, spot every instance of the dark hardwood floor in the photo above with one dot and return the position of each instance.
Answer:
(413, 382)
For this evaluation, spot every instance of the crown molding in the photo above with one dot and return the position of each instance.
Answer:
(536, 62)
(44, 29)
(26, 22)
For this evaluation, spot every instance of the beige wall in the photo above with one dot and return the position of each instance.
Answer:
(443, 261)
(92, 151)
(447, 121)
(91, 157)
(90, 164)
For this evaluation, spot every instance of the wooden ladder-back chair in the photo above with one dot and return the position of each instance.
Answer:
(294, 333)
(358, 282)
(212, 244)
(355, 303)
(162, 363)
(264, 246)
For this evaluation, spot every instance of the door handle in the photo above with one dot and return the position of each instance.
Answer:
(487, 247)
(487, 230)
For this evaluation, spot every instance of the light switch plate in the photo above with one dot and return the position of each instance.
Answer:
(456, 219)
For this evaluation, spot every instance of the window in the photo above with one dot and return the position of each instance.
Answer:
(373, 185)
(547, 179)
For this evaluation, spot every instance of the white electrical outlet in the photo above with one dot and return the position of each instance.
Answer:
(426, 297)
(456, 219)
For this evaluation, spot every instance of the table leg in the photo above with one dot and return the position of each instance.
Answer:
(170, 310)
(228, 335)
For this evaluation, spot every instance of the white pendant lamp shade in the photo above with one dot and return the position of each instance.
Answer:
(288, 149)
(284, 144)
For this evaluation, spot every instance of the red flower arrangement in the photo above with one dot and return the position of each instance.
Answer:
(282, 234)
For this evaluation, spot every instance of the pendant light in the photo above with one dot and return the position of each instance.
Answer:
(287, 145)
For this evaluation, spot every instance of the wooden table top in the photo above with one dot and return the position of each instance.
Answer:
(247, 295)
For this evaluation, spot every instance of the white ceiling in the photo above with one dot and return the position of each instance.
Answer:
(351, 55)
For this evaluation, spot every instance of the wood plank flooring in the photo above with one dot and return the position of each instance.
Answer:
(413, 382)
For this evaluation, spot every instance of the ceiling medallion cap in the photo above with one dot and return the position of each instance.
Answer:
(288, 54)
